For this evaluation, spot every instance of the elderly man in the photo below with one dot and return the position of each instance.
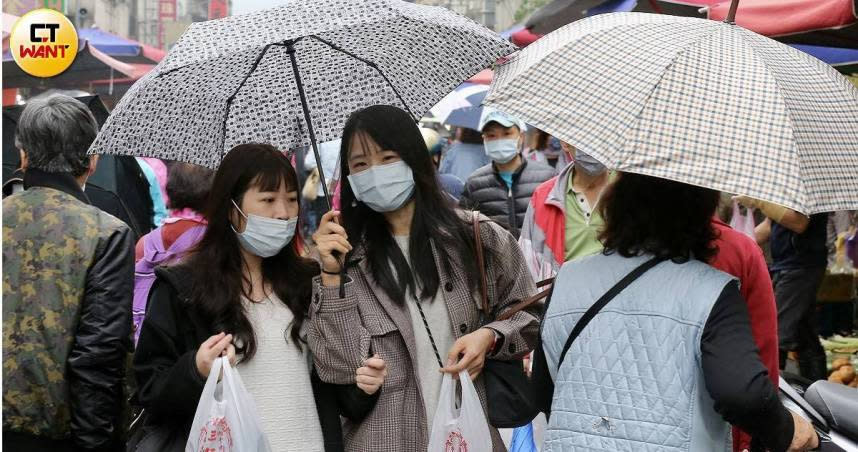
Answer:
(67, 289)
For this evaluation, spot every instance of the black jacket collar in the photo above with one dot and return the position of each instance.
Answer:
(63, 182)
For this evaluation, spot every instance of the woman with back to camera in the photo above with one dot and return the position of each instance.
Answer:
(243, 292)
(667, 361)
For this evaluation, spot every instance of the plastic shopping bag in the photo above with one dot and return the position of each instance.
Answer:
(462, 430)
(743, 223)
(226, 419)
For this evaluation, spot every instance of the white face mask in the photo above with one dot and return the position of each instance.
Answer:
(503, 150)
(384, 188)
(265, 236)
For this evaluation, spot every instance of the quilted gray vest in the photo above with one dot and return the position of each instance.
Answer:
(632, 381)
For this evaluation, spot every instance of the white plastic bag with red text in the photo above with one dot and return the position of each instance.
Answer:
(462, 430)
(226, 419)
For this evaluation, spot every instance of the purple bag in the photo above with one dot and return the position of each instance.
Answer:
(154, 255)
(852, 248)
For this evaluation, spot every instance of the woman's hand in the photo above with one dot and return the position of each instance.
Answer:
(371, 376)
(332, 242)
(472, 348)
(215, 346)
(804, 437)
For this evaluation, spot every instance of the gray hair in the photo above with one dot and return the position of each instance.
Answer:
(55, 133)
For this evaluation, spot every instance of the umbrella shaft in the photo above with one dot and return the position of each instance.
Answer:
(731, 15)
(290, 49)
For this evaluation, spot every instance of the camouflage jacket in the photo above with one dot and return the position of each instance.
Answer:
(67, 289)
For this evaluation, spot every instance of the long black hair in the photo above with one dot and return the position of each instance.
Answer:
(672, 220)
(435, 217)
(216, 262)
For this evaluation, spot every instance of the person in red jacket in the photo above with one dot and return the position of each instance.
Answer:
(740, 256)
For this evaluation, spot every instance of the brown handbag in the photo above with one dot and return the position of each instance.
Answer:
(509, 394)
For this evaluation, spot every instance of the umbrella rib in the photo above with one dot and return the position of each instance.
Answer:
(232, 97)
(370, 64)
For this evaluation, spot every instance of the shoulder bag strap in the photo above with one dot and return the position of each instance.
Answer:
(481, 263)
(604, 300)
(484, 280)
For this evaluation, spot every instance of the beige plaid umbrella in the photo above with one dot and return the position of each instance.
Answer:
(696, 101)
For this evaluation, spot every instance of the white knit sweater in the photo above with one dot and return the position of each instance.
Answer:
(278, 378)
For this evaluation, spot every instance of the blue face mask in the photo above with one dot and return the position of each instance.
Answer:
(384, 188)
(265, 236)
(503, 150)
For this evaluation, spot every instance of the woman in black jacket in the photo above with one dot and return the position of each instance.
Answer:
(243, 293)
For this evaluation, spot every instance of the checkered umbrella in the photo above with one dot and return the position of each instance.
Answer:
(692, 100)
(290, 76)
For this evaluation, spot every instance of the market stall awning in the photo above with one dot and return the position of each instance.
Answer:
(125, 50)
(483, 77)
(109, 43)
(784, 17)
(831, 23)
(524, 37)
(89, 65)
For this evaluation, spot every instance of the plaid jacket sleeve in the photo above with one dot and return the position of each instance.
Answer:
(336, 335)
(509, 283)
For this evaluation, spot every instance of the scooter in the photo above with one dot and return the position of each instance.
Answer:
(832, 409)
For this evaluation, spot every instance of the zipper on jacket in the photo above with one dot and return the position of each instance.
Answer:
(513, 224)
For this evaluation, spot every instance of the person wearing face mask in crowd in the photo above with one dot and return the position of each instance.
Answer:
(407, 290)
(502, 189)
(244, 292)
(562, 220)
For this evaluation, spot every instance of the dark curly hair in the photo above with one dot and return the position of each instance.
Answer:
(668, 219)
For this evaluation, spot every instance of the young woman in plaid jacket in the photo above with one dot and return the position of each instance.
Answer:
(400, 281)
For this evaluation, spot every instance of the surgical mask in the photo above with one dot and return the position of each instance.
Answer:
(265, 236)
(503, 150)
(384, 188)
(588, 164)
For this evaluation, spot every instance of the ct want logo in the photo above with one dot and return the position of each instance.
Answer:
(43, 43)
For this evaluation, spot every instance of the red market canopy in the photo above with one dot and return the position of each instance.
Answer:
(483, 77)
(89, 65)
(780, 18)
(524, 37)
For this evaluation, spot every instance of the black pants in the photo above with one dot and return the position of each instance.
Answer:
(13, 441)
(795, 294)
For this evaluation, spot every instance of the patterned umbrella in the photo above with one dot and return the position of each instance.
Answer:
(697, 101)
(290, 76)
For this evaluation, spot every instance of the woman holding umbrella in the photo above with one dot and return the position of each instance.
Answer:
(409, 282)
(243, 293)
